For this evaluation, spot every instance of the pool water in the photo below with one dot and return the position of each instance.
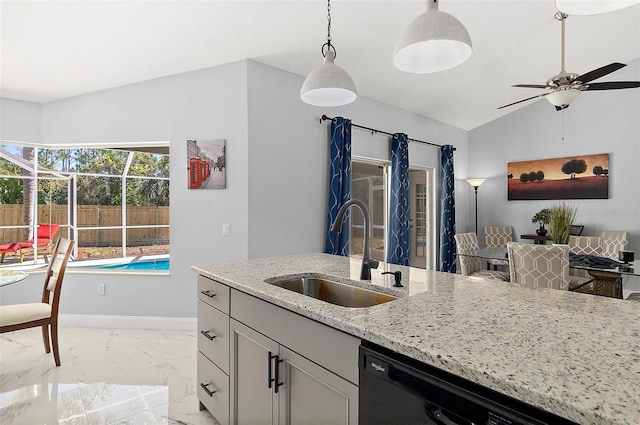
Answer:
(138, 265)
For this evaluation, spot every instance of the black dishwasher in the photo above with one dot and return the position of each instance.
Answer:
(398, 390)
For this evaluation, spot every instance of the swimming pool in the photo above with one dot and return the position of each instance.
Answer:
(139, 265)
(158, 264)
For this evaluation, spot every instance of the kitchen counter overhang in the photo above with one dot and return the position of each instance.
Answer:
(574, 355)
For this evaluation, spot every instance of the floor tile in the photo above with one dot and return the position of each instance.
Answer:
(107, 376)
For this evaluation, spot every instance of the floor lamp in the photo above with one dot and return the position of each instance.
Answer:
(476, 184)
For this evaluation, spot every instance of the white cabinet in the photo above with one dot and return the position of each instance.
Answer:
(213, 348)
(313, 395)
(272, 365)
(271, 384)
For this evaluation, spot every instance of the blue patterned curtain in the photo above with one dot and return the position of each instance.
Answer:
(399, 249)
(339, 184)
(447, 211)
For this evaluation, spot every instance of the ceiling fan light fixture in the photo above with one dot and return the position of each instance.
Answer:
(563, 97)
(434, 41)
(592, 7)
(328, 85)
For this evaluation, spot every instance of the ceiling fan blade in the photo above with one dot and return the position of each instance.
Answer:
(600, 72)
(531, 86)
(523, 100)
(613, 85)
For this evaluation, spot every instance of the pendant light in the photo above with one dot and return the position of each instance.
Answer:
(328, 84)
(592, 7)
(434, 41)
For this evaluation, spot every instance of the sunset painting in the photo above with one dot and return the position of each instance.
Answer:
(573, 177)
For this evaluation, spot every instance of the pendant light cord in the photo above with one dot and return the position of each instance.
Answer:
(328, 44)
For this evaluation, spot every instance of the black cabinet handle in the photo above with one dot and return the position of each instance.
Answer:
(209, 337)
(277, 374)
(269, 378)
(208, 294)
(207, 390)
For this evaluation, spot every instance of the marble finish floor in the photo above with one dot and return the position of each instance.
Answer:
(107, 376)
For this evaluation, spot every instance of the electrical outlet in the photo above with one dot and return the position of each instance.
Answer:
(226, 229)
(100, 288)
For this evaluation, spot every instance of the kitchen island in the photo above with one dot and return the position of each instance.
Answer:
(574, 355)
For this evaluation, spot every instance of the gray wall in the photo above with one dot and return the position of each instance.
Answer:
(277, 173)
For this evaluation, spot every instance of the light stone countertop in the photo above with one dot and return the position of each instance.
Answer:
(575, 355)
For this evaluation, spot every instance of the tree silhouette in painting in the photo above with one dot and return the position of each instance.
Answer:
(540, 175)
(524, 177)
(573, 167)
(598, 170)
(533, 176)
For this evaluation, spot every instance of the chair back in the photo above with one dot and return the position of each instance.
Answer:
(612, 242)
(539, 266)
(467, 243)
(587, 245)
(47, 231)
(55, 274)
(497, 237)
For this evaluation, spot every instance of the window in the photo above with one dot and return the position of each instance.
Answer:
(113, 202)
(370, 184)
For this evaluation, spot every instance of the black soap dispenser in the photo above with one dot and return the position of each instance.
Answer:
(398, 278)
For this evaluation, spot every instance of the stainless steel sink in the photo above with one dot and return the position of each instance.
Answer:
(334, 292)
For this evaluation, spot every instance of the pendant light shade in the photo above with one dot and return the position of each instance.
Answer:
(592, 7)
(328, 85)
(434, 41)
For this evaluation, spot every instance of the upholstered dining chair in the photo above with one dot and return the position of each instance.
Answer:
(539, 266)
(612, 242)
(497, 237)
(543, 266)
(45, 313)
(467, 243)
(584, 245)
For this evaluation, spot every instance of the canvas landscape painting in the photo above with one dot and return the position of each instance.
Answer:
(575, 177)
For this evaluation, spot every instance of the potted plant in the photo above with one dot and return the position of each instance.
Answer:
(542, 218)
(561, 217)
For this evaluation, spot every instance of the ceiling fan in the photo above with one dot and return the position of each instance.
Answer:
(563, 88)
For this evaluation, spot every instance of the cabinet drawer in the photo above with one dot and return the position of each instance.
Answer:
(217, 382)
(215, 324)
(213, 293)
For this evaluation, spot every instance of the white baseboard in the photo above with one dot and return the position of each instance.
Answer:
(127, 322)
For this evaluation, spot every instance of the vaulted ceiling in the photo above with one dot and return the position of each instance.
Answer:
(56, 49)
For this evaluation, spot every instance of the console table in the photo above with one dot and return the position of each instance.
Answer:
(537, 239)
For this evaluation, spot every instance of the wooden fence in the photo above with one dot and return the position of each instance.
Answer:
(92, 216)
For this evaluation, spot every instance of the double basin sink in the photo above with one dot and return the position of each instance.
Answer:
(333, 292)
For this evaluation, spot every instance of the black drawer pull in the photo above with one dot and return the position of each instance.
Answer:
(270, 379)
(208, 294)
(278, 360)
(207, 390)
(209, 337)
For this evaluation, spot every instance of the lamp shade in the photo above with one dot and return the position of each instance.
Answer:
(328, 85)
(475, 182)
(592, 7)
(562, 97)
(434, 41)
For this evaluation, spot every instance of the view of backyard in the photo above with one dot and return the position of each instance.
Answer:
(113, 203)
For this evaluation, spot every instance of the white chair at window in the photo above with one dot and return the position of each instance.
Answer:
(497, 237)
(467, 243)
(45, 313)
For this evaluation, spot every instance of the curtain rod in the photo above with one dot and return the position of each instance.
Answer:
(373, 130)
